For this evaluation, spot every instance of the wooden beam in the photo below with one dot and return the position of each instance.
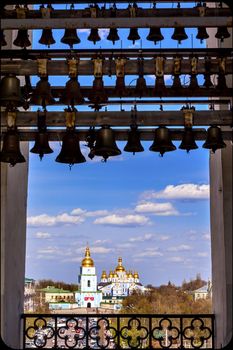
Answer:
(121, 135)
(85, 67)
(139, 22)
(119, 118)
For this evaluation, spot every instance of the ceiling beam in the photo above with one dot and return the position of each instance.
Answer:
(139, 22)
(120, 135)
(86, 67)
(121, 118)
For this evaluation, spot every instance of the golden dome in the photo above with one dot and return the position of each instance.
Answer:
(130, 275)
(115, 275)
(87, 261)
(120, 267)
(104, 275)
(136, 275)
(111, 275)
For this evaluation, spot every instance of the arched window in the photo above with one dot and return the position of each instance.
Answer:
(88, 283)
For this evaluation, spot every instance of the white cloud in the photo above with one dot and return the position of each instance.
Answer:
(183, 191)
(42, 235)
(123, 220)
(176, 259)
(203, 254)
(49, 251)
(206, 236)
(179, 248)
(162, 209)
(146, 237)
(86, 213)
(100, 250)
(47, 220)
(148, 253)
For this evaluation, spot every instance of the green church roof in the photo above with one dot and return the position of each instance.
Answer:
(51, 289)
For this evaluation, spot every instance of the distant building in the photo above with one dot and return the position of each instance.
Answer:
(56, 298)
(118, 285)
(29, 295)
(88, 295)
(204, 292)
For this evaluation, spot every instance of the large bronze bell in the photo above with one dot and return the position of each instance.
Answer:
(42, 94)
(2, 39)
(202, 34)
(162, 141)
(221, 82)
(47, 37)
(70, 151)
(11, 148)
(176, 82)
(41, 145)
(141, 87)
(120, 86)
(98, 94)
(133, 35)
(72, 94)
(10, 92)
(133, 144)
(179, 34)
(94, 36)
(105, 145)
(222, 33)
(22, 39)
(155, 35)
(193, 84)
(70, 37)
(113, 35)
(188, 141)
(214, 139)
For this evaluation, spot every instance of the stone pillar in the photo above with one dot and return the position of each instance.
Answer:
(14, 181)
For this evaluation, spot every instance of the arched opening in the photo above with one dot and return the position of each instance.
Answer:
(89, 305)
(88, 283)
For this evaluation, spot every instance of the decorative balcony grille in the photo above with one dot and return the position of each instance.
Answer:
(118, 331)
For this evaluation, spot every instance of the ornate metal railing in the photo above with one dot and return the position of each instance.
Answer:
(118, 331)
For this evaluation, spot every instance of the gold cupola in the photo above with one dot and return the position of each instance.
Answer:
(120, 267)
(130, 275)
(136, 275)
(111, 274)
(87, 261)
(104, 275)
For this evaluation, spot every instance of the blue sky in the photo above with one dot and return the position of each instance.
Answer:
(152, 211)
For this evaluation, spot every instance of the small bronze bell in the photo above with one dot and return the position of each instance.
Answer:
(91, 136)
(47, 37)
(133, 35)
(207, 81)
(113, 35)
(141, 87)
(120, 86)
(202, 34)
(70, 151)
(10, 92)
(222, 33)
(42, 94)
(221, 82)
(133, 144)
(160, 84)
(2, 38)
(41, 146)
(94, 36)
(105, 145)
(155, 35)
(162, 141)
(214, 139)
(72, 94)
(179, 34)
(98, 94)
(176, 82)
(22, 39)
(11, 148)
(188, 140)
(70, 37)
(193, 84)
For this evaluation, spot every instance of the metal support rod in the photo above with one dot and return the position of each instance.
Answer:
(119, 118)
(139, 22)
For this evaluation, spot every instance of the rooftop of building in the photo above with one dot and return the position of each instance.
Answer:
(52, 289)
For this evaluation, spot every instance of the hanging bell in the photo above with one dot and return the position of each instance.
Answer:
(105, 145)
(221, 82)
(41, 146)
(202, 34)
(11, 148)
(179, 34)
(98, 94)
(10, 92)
(193, 82)
(91, 142)
(162, 141)
(214, 139)
(207, 81)
(141, 87)
(133, 35)
(47, 37)
(70, 151)
(72, 94)
(120, 86)
(94, 36)
(188, 140)
(222, 33)
(2, 39)
(70, 37)
(113, 35)
(155, 35)
(176, 82)
(160, 84)
(22, 39)
(133, 144)
(42, 94)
